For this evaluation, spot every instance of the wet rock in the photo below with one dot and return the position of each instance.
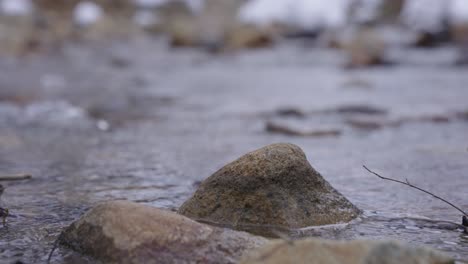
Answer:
(355, 252)
(273, 127)
(378, 122)
(431, 39)
(215, 28)
(126, 232)
(290, 111)
(366, 123)
(247, 36)
(361, 109)
(182, 33)
(270, 189)
(179, 23)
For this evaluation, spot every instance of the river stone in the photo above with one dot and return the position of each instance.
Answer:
(268, 190)
(314, 251)
(126, 232)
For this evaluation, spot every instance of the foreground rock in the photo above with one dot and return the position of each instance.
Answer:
(333, 252)
(125, 232)
(269, 190)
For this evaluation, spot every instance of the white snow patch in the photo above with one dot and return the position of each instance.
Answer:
(16, 7)
(458, 11)
(87, 13)
(425, 15)
(302, 13)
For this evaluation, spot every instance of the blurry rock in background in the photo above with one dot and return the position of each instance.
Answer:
(214, 28)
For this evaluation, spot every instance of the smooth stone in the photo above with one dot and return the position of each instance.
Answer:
(126, 232)
(270, 190)
(315, 251)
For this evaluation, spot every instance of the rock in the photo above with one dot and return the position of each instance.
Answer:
(427, 39)
(247, 36)
(367, 122)
(361, 109)
(126, 232)
(314, 251)
(215, 28)
(290, 111)
(182, 33)
(273, 127)
(268, 190)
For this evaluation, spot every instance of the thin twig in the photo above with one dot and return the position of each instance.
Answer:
(16, 177)
(407, 183)
(56, 242)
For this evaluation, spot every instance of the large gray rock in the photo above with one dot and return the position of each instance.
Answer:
(125, 232)
(314, 251)
(269, 190)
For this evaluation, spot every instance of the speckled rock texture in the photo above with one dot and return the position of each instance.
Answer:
(314, 251)
(126, 232)
(269, 190)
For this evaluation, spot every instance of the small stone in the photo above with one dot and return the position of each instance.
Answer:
(273, 127)
(269, 190)
(290, 112)
(247, 37)
(315, 251)
(361, 109)
(126, 232)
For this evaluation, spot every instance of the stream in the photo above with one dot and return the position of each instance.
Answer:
(135, 120)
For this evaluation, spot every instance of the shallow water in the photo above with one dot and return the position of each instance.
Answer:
(89, 131)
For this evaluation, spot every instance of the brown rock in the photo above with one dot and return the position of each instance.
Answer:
(284, 129)
(273, 188)
(314, 251)
(247, 36)
(126, 232)
(215, 28)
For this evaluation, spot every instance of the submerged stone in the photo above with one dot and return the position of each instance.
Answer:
(269, 190)
(126, 232)
(315, 251)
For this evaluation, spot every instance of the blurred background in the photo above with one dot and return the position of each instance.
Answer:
(141, 100)
(363, 28)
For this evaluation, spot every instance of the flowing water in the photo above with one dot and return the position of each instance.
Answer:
(139, 122)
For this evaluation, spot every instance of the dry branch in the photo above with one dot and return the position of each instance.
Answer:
(407, 183)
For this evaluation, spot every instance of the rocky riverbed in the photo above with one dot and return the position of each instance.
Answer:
(135, 121)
